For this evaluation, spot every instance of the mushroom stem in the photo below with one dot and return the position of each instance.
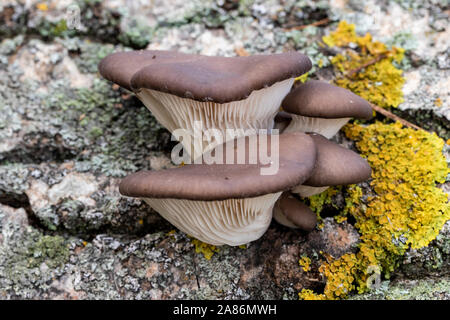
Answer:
(233, 222)
(326, 127)
(281, 218)
(292, 213)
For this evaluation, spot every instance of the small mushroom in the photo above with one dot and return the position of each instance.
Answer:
(282, 120)
(317, 106)
(335, 165)
(225, 203)
(184, 91)
(291, 212)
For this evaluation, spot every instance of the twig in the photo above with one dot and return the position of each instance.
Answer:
(311, 279)
(314, 24)
(352, 72)
(378, 109)
(392, 116)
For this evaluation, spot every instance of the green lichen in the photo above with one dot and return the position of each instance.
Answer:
(380, 81)
(50, 30)
(116, 134)
(424, 289)
(90, 55)
(205, 12)
(305, 40)
(136, 34)
(405, 210)
(31, 257)
(52, 250)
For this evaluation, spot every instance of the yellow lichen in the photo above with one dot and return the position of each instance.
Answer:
(305, 263)
(438, 102)
(317, 202)
(380, 82)
(405, 168)
(307, 294)
(302, 78)
(404, 210)
(207, 250)
(42, 6)
(344, 35)
(172, 233)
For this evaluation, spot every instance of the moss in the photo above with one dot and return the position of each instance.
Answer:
(380, 82)
(405, 210)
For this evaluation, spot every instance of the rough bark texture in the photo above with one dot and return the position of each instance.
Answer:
(67, 137)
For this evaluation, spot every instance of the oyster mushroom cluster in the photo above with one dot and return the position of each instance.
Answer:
(239, 98)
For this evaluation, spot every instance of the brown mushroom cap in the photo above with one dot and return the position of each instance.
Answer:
(201, 78)
(336, 165)
(119, 67)
(297, 156)
(320, 99)
(297, 212)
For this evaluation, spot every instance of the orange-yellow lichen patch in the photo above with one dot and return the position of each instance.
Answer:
(207, 250)
(438, 102)
(405, 208)
(42, 6)
(380, 82)
(305, 263)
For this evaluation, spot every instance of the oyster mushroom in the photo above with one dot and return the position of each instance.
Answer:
(191, 92)
(335, 165)
(226, 203)
(291, 212)
(317, 106)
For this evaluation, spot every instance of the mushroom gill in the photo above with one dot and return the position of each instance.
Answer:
(225, 203)
(317, 106)
(190, 92)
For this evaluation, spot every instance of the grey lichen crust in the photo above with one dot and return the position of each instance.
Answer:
(67, 137)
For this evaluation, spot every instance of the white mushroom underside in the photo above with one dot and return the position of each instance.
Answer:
(307, 191)
(279, 217)
(255, 112)
(232, 222)
(326, 127)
